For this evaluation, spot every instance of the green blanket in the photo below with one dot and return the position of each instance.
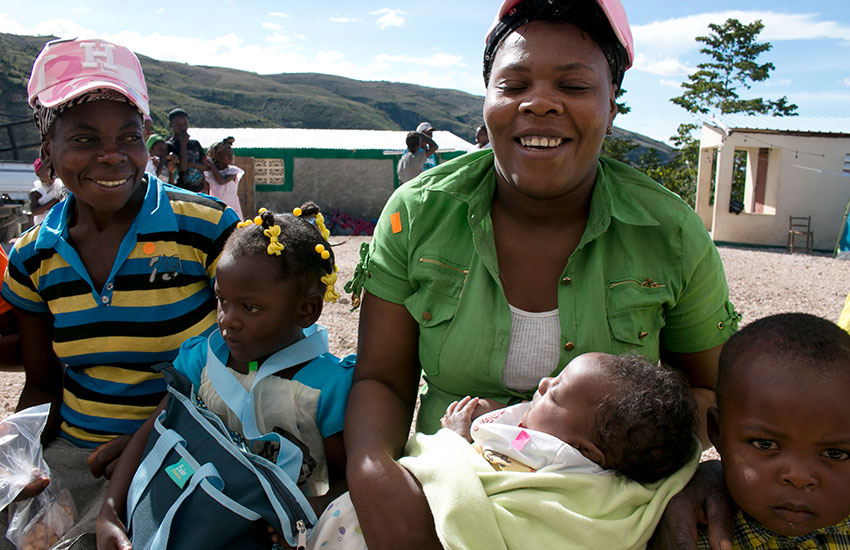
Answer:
(476, 507)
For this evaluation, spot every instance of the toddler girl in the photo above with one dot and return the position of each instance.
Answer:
(223, 176)
(271, 281)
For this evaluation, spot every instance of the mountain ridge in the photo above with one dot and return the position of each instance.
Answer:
(231, 98)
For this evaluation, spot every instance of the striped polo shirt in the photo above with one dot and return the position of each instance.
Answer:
(159, 293)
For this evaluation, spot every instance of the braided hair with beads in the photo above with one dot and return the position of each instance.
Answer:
(295, 242)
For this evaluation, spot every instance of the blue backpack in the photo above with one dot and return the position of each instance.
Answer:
(196, 488)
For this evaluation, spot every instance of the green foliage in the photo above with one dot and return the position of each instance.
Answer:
(679, 174)
(619, 149)
(733, 50)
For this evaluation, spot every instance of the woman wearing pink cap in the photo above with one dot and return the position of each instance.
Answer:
(115, 278)
(496, 269)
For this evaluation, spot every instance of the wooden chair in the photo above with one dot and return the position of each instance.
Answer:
(799, 226)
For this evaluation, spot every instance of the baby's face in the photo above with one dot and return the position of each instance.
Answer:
(784, 436)
(563, 406)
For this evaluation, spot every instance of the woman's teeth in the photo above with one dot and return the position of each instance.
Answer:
(114, 183)
(536, 141)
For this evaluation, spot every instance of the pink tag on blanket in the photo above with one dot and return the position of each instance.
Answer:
(521, 440)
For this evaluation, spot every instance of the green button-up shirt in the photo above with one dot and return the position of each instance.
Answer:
(645, 275)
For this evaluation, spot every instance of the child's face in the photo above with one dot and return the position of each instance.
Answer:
(258, 313)
(784, 438)
(224, 156)
(563, 406)
(179, 124)
(159, 149)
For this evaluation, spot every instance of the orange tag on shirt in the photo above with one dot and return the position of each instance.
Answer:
(395, 221)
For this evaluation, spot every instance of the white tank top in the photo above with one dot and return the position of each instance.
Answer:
(534, 349)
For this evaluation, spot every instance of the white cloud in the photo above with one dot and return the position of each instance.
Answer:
(278, 53)
(782, 83)
(670, 83)
(160, 11)
(330, 57)
(662, 44)
(279, 38)
(660, 65)
(389, 18)
(847, 81)
(272, 26)
(344, 20)
(278, 14)
(433, 60)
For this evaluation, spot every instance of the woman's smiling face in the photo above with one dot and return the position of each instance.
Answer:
(98, 151)
(549, 101)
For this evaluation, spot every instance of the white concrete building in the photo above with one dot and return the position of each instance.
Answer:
(796, 166)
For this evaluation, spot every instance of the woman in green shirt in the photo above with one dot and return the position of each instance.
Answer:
(492, 271)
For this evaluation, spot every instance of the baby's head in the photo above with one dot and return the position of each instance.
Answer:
(624, 413)
(782, 422)
(271, 280)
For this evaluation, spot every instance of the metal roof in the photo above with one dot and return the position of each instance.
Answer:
(799, 124)
(300, 138)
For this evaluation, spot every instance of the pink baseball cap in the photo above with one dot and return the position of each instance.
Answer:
(66, 69)
(613, 10)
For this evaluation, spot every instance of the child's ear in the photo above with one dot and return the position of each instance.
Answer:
(713, 426)
(593, 453)
(310, 309)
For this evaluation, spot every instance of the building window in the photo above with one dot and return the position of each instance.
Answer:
(269, 172)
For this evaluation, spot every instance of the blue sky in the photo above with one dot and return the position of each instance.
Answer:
(439, 43)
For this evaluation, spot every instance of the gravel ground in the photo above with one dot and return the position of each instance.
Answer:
(761, 282)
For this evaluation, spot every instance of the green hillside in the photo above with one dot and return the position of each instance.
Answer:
(220, 97)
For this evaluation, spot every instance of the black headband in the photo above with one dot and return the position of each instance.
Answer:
(585, 14)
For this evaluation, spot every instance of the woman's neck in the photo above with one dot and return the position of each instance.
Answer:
(572, 206)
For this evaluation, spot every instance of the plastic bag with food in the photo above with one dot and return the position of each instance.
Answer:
(34, 523)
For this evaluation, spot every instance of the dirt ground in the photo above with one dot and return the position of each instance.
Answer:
(761, 282)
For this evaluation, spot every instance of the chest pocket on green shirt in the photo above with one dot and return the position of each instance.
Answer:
(636, 315)
(434, 304)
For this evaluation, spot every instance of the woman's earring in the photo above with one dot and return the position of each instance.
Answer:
(610, 129)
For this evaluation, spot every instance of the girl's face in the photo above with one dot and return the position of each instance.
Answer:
(224, 156)
(548, 104)
(98, 151)
(258, 313)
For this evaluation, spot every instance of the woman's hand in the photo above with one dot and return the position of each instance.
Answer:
(703, 500)
(459, 416)
(111, 533)
(103, 459)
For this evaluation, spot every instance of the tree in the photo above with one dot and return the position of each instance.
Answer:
(619, 148)
(714, 86)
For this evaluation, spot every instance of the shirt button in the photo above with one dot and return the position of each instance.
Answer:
(566, 281)
(569, 346)
(426, 315)
(104, 299)
(108, 286)
(642, 334)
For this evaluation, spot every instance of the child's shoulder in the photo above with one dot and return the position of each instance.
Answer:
(191, 358)
(327, 369)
